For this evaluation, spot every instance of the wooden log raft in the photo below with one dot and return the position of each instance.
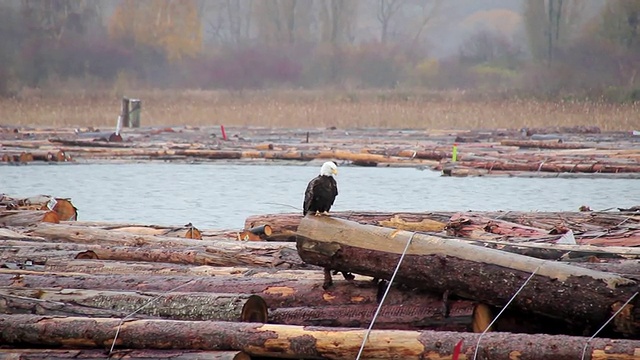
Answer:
(94, 354)
(300, 342)
(579, 296)
(170, 305)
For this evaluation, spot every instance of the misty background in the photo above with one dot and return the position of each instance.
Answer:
(538, 48)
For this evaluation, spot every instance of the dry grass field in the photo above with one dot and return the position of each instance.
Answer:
(289, 108)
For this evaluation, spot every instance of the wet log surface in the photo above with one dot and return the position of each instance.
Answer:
(487, 152)
(298, 342)
(576, 295)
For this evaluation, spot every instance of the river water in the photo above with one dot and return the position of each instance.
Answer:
(221, 196)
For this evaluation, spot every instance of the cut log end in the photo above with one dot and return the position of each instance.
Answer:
(89, 254)
(482, 317)
(193, 233)
(254, 310)
(51, 217)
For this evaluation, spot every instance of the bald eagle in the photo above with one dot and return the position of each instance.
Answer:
(321, 190)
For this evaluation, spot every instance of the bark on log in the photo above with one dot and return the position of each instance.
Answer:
(229, 255)
(27, 217)
(220, 253)
(91, 235)
(463, 225)
(94, 354)
(284, 225)
(170, 305)
(16, 304)
(594, 166)
(300, 342)
(544, 144)
(277, 292)
(159, 230)
(429, 316)
(580, 296)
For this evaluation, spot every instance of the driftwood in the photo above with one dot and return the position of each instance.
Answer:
(277, 292)
(577, 295)
(171, 305)
(300, 342)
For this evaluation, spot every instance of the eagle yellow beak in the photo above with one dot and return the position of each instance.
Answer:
(334, 171)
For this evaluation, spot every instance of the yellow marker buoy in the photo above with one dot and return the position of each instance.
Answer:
(454, 153)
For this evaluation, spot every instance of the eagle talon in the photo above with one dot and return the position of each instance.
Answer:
(328, 281)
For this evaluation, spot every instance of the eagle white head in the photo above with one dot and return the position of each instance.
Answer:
(329, 169)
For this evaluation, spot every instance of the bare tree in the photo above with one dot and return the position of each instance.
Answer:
(337, 19)
(386, 10)
(228, 21)
(549, 24)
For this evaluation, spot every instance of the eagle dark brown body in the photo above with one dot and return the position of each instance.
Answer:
(321, 191)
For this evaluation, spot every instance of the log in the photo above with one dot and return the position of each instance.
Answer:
(95, 354)
(118, 236)
(170, 305)
(230, 253)
(27, 218)
(187, 231)
(544, 144)
(465, 225)
(593, 166)
(428, 316)
(579, 296)
(300, 342)
(140, 268)
(277, 292)
(16, 304)
(284, 225)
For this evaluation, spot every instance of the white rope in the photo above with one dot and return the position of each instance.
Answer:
(375, 316)
(475, 354)
(142, 307)
(584, 350)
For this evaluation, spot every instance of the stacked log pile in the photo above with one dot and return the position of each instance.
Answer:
(537, 152)
(72, 289)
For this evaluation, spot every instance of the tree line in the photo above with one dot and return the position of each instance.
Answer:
(563, 48)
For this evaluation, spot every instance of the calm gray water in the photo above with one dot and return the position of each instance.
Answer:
(222, 196)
